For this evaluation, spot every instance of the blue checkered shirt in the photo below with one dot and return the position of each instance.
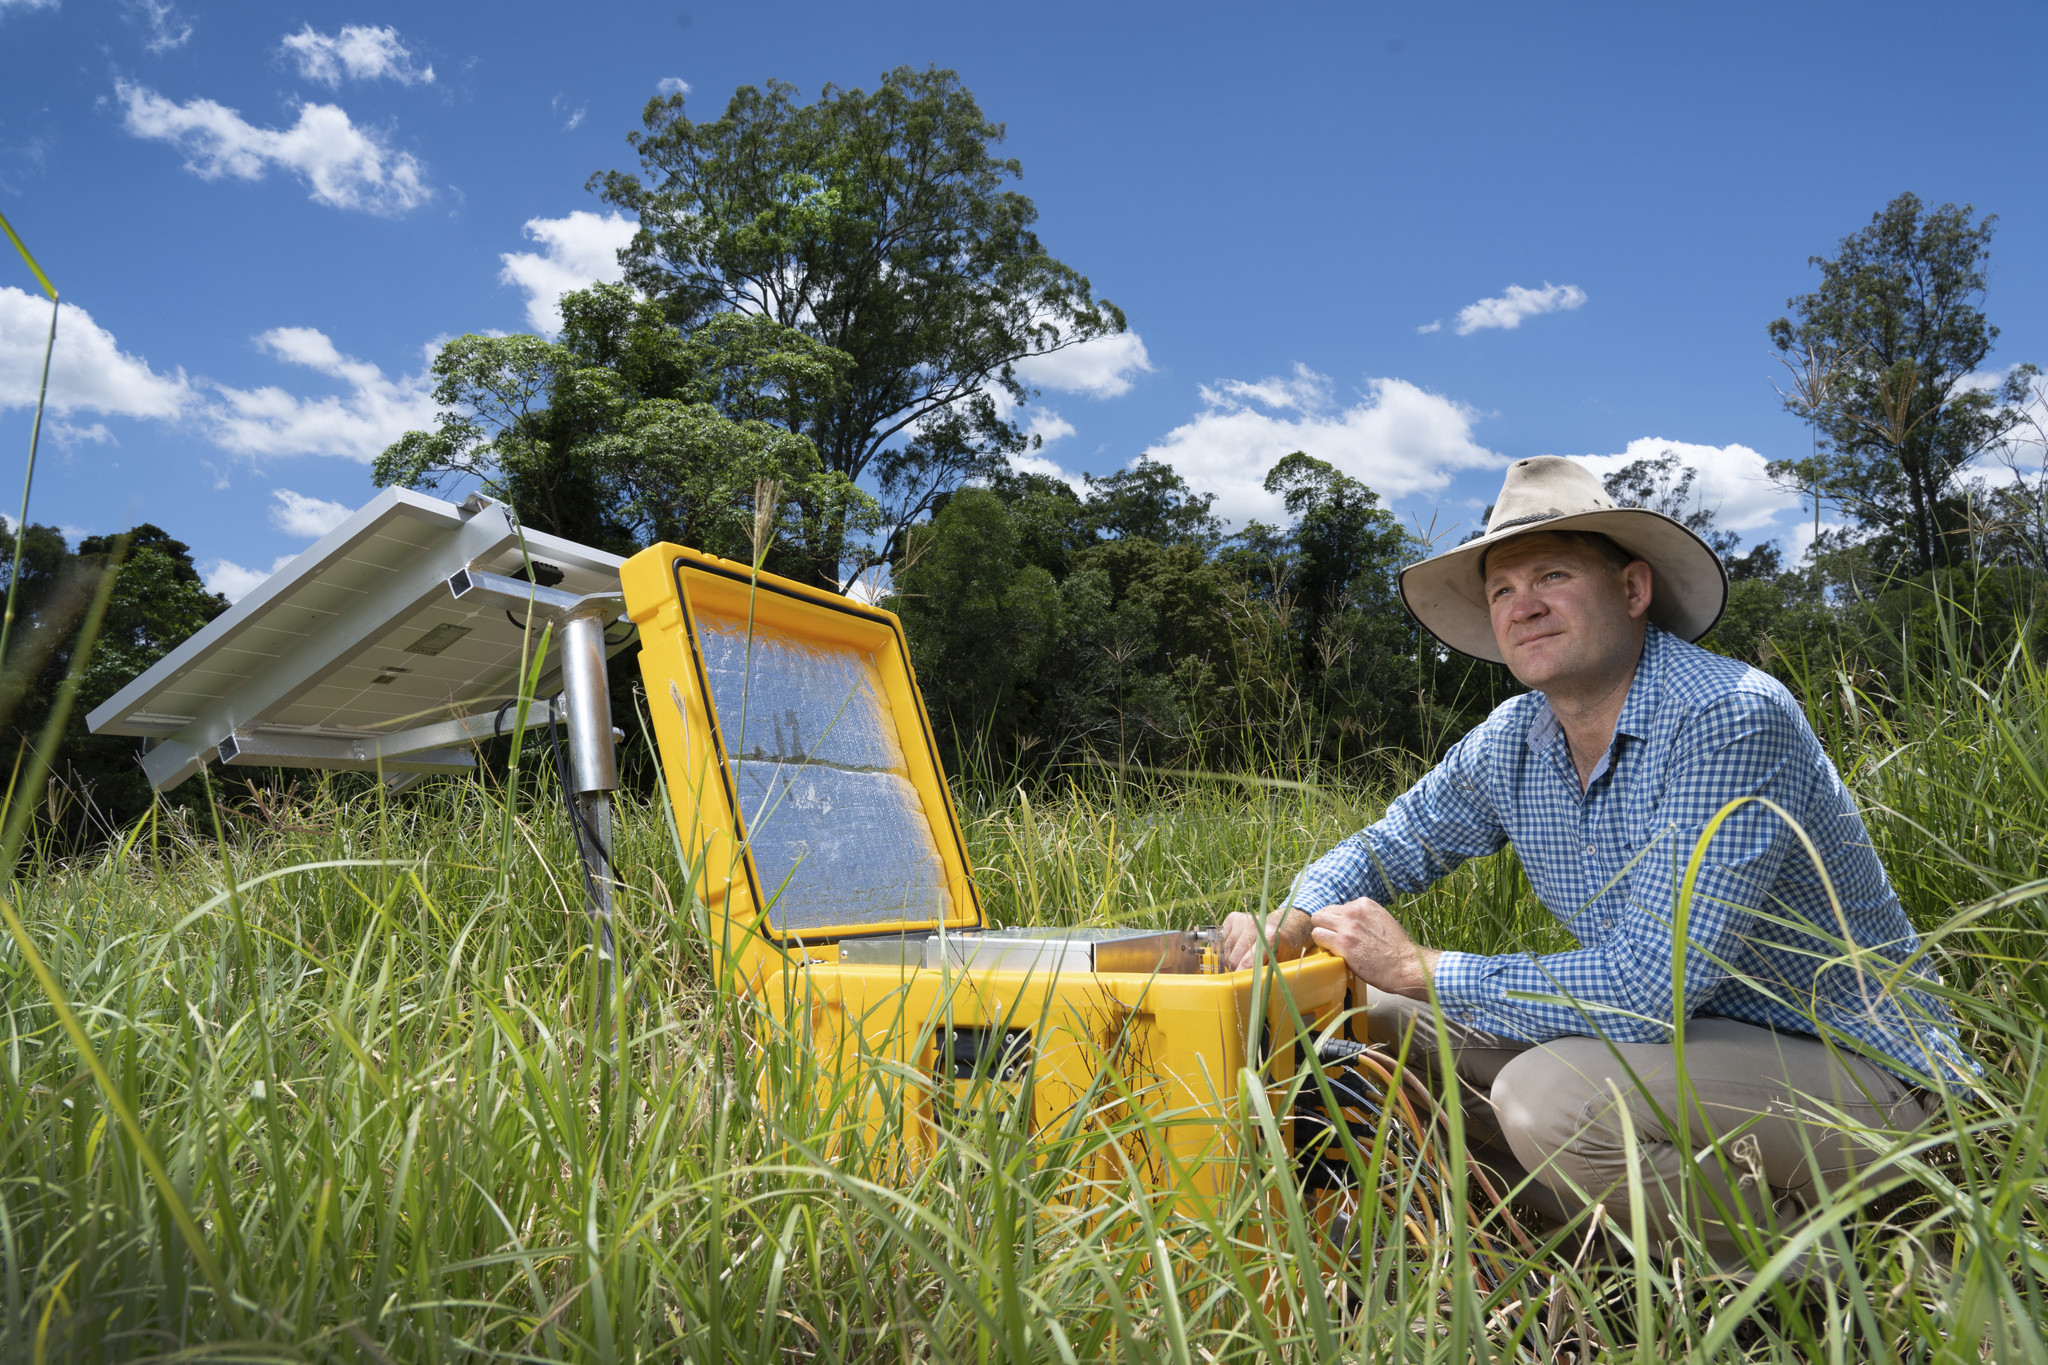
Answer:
(1764, 941)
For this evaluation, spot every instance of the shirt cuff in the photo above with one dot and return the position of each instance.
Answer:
(1309, 898)
(1467, 986)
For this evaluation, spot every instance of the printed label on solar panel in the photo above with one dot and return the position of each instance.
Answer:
(437, 639)
(838, 833)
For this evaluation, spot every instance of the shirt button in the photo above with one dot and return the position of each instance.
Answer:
(1589, 850)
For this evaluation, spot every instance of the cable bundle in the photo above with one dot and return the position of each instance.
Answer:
(1400, 1142)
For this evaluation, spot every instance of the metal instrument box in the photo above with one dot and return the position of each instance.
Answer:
(807, 789)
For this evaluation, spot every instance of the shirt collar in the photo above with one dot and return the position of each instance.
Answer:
(1645, 690)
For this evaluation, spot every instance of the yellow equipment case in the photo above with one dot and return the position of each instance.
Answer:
(807, 787)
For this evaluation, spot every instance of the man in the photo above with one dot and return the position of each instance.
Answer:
(1799, 987)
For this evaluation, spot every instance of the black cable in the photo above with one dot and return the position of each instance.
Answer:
(580, 828)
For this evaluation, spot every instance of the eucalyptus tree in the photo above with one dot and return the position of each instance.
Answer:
(1349, 549)
(1900, 404)
(627, 431)
(1150, 499)
(1662, 483)
(881, 224)
(157, 600)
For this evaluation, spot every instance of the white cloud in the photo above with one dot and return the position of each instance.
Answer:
(1731, 482)
(68, 436)
(667, 85)
(234, 582)
(1099, 369)
(358, 425)
(23, 6)
(578, 250)
(2024, 451)
(1044, 423)
(1985, 381)
(1038, 464)
(1048, 426)
(1507, 311)
(1429, 327)
(358, 53)
(1397, 439)
(89, 371)
(168, 30)
(561, 102)
(1302, 391)
(348, 167)
(299, 515)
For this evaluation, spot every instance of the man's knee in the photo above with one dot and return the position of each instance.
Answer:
(1561, 1119)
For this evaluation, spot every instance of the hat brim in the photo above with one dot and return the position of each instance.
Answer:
(1688, 585)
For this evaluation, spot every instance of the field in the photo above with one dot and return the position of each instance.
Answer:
(331, 1081)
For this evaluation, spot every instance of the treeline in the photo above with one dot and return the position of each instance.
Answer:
(1120, 624)
(154, 601)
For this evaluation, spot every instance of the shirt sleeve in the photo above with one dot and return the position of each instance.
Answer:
(1625, 988)
(1428, 830)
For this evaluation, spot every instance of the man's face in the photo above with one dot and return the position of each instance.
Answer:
(1560, 614)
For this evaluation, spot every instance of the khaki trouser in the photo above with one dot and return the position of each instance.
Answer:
(1773, 1117)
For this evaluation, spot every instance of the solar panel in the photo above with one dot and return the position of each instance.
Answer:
(836, 826)
(796, 747)
(359, 654)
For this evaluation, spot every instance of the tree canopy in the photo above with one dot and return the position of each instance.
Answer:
(1888, 357)
(881, 225)
(156, 602)
(627, 431)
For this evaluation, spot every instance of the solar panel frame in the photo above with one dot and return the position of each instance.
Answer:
(317, 667)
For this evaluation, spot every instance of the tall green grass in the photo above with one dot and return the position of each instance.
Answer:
(336, 1083)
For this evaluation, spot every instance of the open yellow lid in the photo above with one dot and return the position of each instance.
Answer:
(797, 752)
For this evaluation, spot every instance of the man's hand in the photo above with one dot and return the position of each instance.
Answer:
(1286, 929)
(1376, 947)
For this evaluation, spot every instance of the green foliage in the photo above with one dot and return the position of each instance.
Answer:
(1150, 501)
(963, 585)
(1167, 644)
(1149, 651)
(1358, 648)
(1979, 618)
(157, 602)
(880, 224)
(1035, 631)
(1662, 484)
(1885, 354)
(1050, 520)
(627, 431)
(1115, 653)
(1767, 616)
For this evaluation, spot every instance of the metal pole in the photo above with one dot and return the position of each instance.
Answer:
(585, 708)
(593, 766)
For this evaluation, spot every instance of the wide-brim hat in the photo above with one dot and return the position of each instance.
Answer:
(1688, 585)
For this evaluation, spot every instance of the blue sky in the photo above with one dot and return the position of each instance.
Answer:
(265, 214)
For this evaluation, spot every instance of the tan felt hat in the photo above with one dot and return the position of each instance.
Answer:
(1688, 586)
